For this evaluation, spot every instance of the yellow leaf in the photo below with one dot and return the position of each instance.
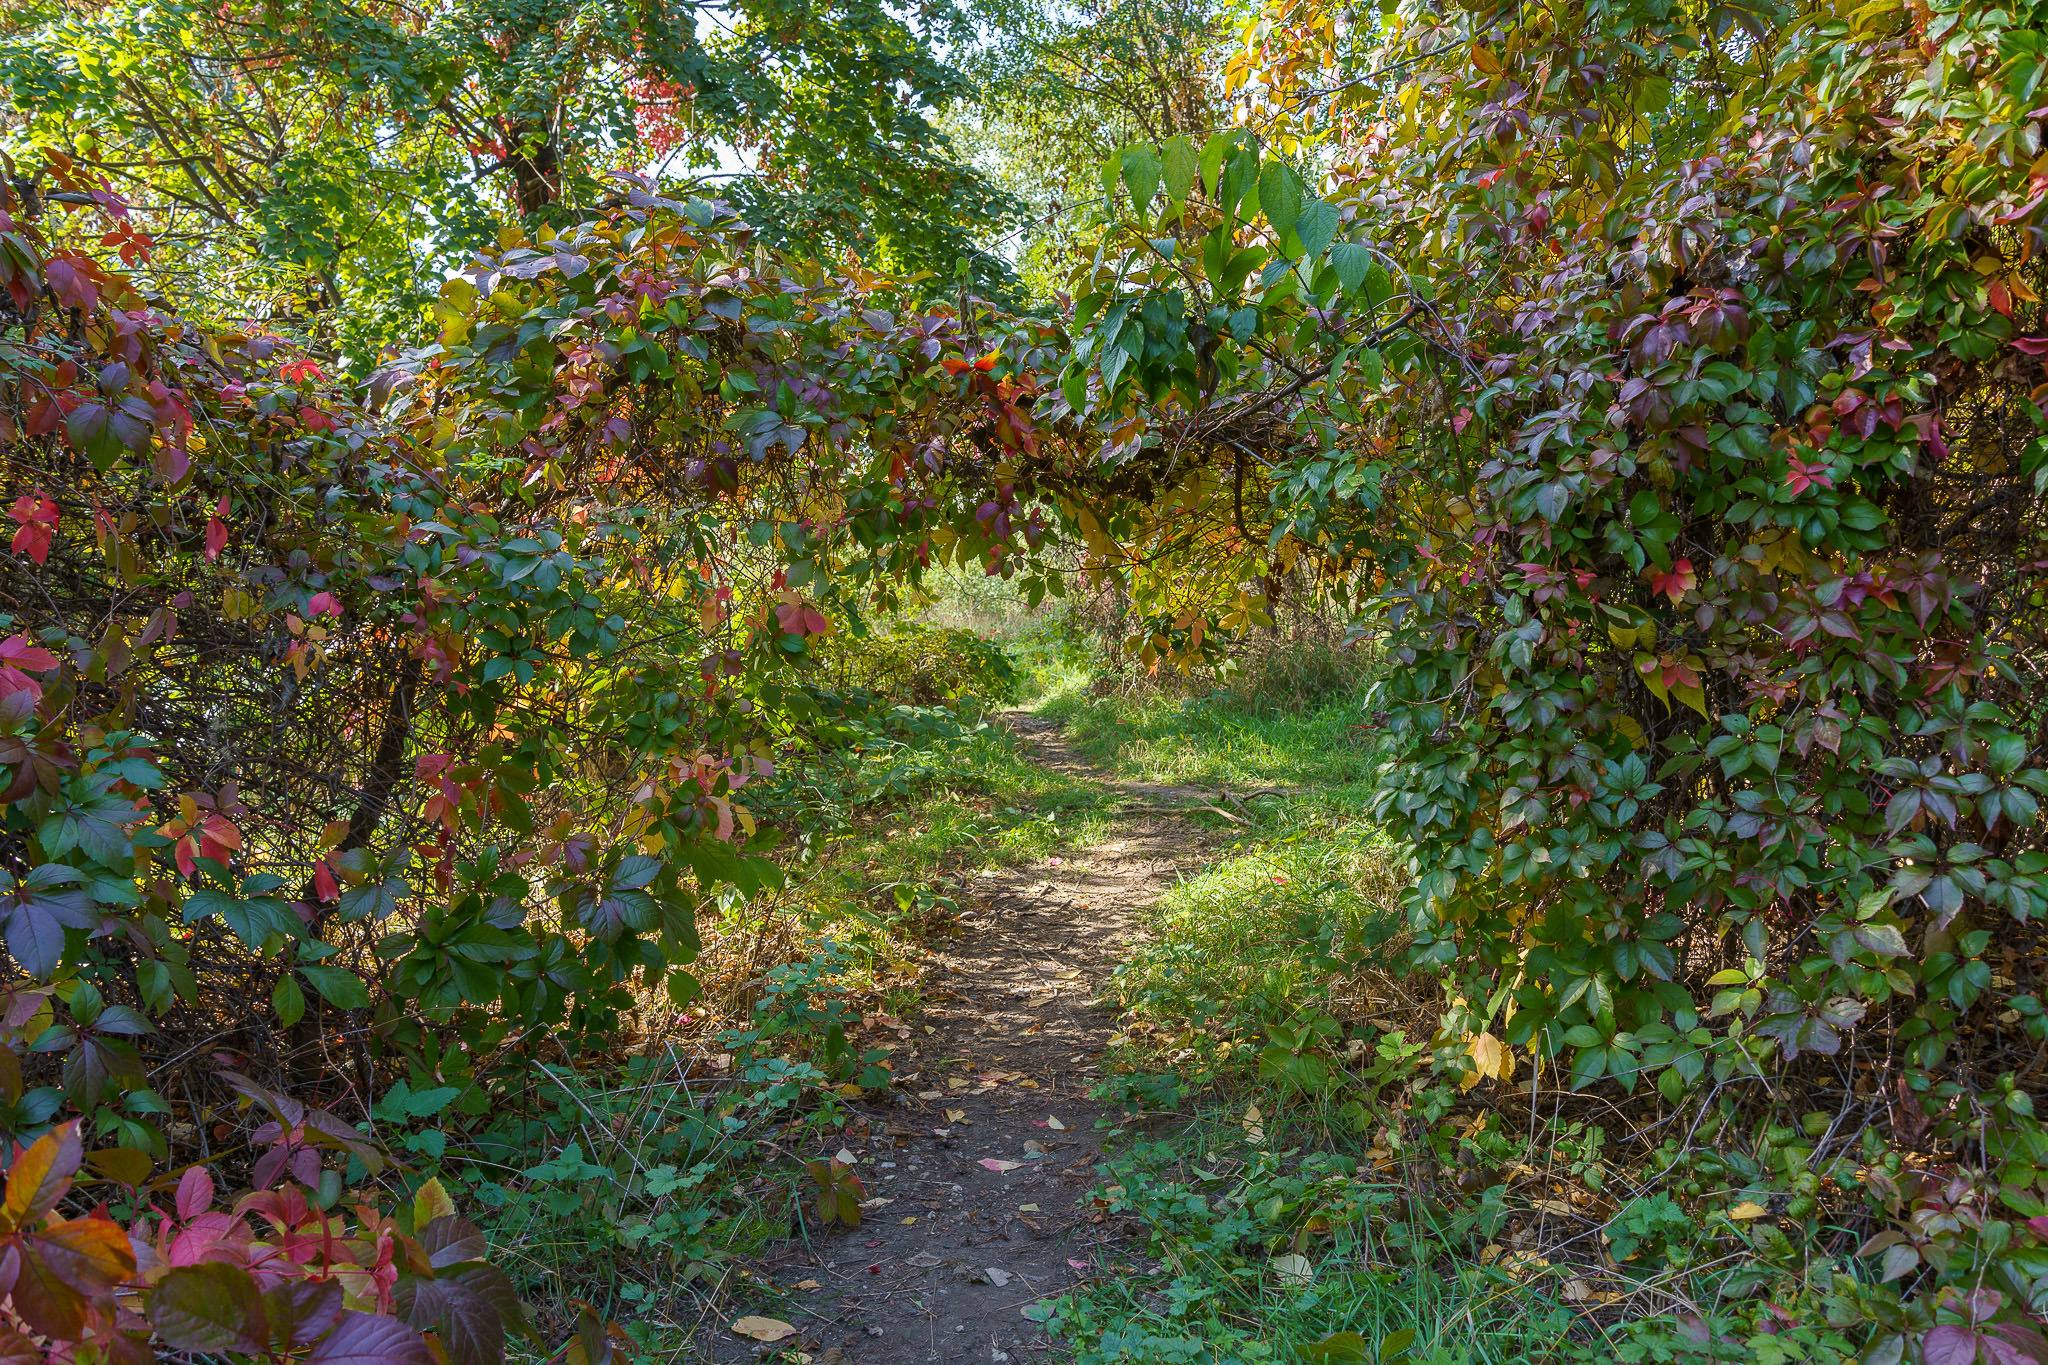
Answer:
(1748, 1209)
(763, 1329)
(431, 1202)
(1491, 1060)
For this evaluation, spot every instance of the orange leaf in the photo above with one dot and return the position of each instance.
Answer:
(40, 1176)
(92, 1255)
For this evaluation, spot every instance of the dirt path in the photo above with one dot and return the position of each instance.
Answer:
(985, 1151)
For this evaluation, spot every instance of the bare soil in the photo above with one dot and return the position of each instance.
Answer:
(979, 1163)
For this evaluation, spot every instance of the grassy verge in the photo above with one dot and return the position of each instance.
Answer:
(1326, 752)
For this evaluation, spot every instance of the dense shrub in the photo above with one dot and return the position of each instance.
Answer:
(1670, 380)
(1717, 704)
(360, 733)
(923, 665)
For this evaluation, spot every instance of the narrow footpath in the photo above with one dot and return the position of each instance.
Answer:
(979, 1165)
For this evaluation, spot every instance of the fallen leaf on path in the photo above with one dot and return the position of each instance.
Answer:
(1029, 1085)
(1035, 1147)
(1748, 1209)
(1027, 1208)
(931, 1094)
(999, 1166)
(1577, 1290)
(925, 1260)
(1254, 1127)
(1052, 1122)
(845, 1157)
(1077, 1265)
(807, 1284)
(908, 1221)
(764, 1329)
(956, 1115)
(957, 1082)
(1557, 1206)
(996, 1277)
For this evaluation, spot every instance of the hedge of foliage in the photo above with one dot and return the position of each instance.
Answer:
(1719, 718)
(348, 727)
(1669, 380)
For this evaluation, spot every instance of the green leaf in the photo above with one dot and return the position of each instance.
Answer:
(1315, 225)
(1141, 175)
(288, 1000)
(1213, 152)
(1340, 1348)
(1178, 169)
(1239, 177)
(35, 926)
(1351, 260)
(338, 986)
(373, 900)
(211, 1308)
(1379, 286)
(1280, 195)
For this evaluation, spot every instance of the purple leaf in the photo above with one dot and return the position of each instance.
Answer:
(300, 1310)
(1949, 1345)
(470, 1327)
(366, 1339)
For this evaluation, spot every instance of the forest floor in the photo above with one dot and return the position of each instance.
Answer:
(979, 1164)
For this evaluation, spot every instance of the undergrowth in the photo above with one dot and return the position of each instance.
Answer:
(1308, 1181)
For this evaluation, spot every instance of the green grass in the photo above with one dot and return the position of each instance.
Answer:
(1327, 752)
(1254, 1249)
(985, 804)
(1251, 939)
